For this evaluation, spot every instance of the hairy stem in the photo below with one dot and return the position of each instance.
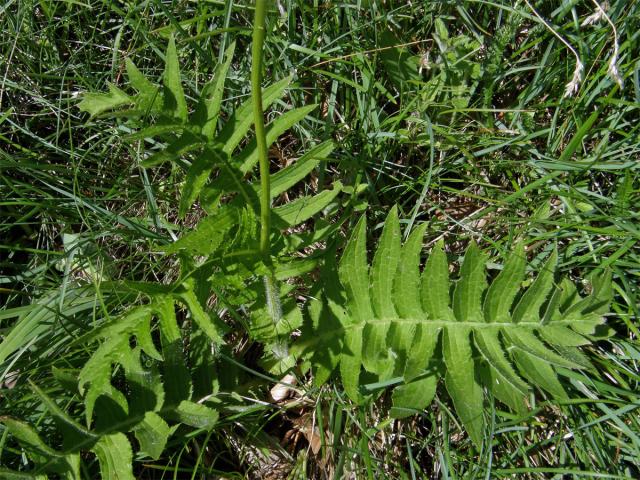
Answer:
(256, 95)
(271, 288)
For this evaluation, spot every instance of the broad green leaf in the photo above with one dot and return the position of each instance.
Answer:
(174, 100)
(237, 127)
(302, 209)
(354, 273)
(177, 381)
(528, 308)
(435, 285)
(385, 266)
(202, 318)
(29, 438)
(149, 95)
(115, 457)
(196, 415)
(406, 290)
(169, 128)
(351, 363)
(375, 356)
(212, 94)
(500, 295)
(208, 234)
(248, 158)
(355, 322)
(285, 178)
(527, 341)
(422, 350)
(560, 335)
(539, 373)
(413, 397)
(461, 383)
(197, 176)
(97, 103)
(468, 292)
(187, 142)
(152, 434)
(489, 345)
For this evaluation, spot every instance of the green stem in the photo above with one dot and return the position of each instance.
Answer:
(272, 293)
(258, 116)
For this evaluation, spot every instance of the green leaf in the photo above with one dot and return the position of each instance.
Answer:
(212, 94)
(489, 345)
(208, 235)
(187, 142)
(406, 290)
(461, 383)
(422, 350)
(302, 209)
(413, 397)
(97, 103)
(149, 95)
(248, 158)
(177, 380)
(385, 266)
(152, 434)
(115, 457)
(528, 308)
(354, 273)
(351, 363)
(497, 303)
(237, 127)
(560, 335)
(435, 285)
(285, 178)
(202, 318)
(29, 438)
(197, 176)
(468, 293)
(383, 273)
(382, 325)
(528, 342)
(196, 415)
(174, 100)
(539, 373)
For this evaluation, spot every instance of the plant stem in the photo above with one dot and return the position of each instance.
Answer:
(272, 293)
(256, 95)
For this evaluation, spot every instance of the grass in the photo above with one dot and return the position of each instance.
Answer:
(479, 144)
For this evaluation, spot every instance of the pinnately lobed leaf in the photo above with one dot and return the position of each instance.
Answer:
(391, 321)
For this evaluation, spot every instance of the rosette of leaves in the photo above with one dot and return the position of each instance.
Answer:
(389, 324)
